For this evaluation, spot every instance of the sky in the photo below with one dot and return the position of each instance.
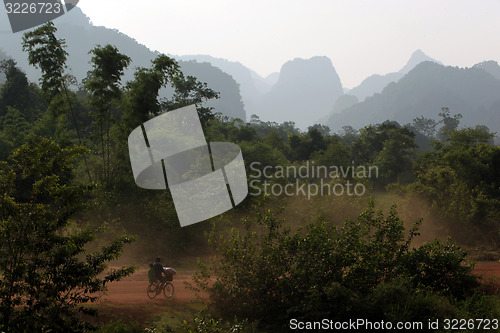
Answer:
(361, 37)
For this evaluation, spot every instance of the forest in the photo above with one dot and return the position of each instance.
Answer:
(73, 222)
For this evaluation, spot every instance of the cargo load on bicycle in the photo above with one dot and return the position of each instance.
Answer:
(169, 273)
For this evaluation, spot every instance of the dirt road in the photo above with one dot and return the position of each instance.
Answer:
(127, 300)
(132, 290)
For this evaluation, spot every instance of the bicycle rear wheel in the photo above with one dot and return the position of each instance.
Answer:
(152, 291)
(168, 290)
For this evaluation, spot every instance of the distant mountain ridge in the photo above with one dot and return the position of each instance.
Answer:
(490, 67)
(81, 37)
(416, 58)
(272, 78)
(305, 91)
(376, 83)
(252, 85)
(427, 88)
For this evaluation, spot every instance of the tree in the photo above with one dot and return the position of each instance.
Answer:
(15, 126)
(275, 140)
(188, 90)
(460, 178)
(337, 153)
(370, 142)
(47, 276)
(349, 135)
(303, 145)
(103, 83)
(426, 126)
(141, 101)
(389, 146)
(395, 160)
(18, 93)
(448, 121)
(322, 129)
(47, 52)
(263, 153)
(142, 93)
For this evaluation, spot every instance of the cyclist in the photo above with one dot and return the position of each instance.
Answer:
(158, 270)
(159, 280)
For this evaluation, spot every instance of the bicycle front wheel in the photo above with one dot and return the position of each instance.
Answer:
(168, 290)
(151, 291)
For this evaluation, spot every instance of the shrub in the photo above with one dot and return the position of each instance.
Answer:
(366, 268)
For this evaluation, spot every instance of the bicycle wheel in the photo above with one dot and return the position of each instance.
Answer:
(152, 291)
(168, 290)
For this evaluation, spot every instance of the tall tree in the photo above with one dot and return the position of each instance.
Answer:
(47, 52)
(450, 122)
(426, 126)
(142, 93)
(103, 83)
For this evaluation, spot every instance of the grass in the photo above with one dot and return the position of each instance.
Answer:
(168, 314)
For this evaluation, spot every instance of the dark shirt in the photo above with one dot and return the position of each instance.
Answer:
(158, 268)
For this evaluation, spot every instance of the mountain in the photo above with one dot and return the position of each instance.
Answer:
(423, 92)
(82, 36)
(272, 78)
(490, 66)
(252, 85)
(376, 83)
(305, 91)
(416, 58)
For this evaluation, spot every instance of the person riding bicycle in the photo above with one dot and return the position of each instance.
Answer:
(159, 280)
(158, 271)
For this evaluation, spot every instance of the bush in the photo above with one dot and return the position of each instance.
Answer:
(364, 269)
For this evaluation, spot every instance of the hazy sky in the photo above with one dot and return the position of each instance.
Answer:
(362, 37)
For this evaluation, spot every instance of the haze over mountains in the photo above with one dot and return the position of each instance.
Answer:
(302, 84)
(81, 37)
(473, 92)
(306, 91)
(376, 83)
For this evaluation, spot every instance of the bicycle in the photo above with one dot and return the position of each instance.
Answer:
(155, 289)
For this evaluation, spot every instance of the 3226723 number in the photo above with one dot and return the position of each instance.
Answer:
(471, 324)
(33, 8)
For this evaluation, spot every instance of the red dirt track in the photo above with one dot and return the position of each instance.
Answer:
(132, 290)
(127, 299)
